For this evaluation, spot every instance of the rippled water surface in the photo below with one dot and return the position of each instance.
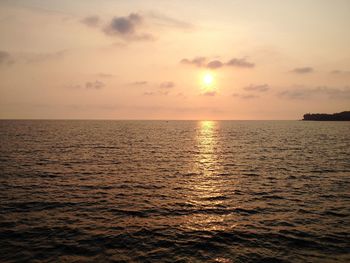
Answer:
(177, 191)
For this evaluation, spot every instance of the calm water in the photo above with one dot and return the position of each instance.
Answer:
(154, 191)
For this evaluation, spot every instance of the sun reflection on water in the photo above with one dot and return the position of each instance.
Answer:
(207, 146)
(207, 186)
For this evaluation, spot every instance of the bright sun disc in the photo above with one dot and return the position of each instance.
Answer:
(208, 79)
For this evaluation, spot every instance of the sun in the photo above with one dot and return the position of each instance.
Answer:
(208, 83)
(208, 79)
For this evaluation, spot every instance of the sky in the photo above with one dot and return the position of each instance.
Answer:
(184, 59)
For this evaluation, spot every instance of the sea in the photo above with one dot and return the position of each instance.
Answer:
(174, 191)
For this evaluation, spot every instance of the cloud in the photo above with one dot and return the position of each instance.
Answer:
(163, 92)
(156, 93)
(258, 88)
(338, 72)
(240, 63)
(139, 83)
(167, 21)
(303, 70)
(197, 61)
(209, 93)
(127, 27)
(301, 93)
(180, 94)
(215, 64)
(167, 85)
(6, 58)
(163, 89)
(124, 25)
(261, 88)
(149, 93)
(41, 57)
(119, 45)
(105, 75)
(91, 21)
(249, 96)
(77, 86)
(94, 85)
(295, 94)
(142, 37)
(245, 96)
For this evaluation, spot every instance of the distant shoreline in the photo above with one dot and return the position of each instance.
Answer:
(341, 116)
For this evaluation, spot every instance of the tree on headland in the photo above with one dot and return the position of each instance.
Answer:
(341, 116)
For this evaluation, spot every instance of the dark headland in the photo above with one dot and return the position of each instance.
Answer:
(341, 116)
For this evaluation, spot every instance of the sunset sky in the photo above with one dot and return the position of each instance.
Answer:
(158, 59)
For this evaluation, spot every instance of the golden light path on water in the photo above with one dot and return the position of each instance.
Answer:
(208, 191)
(207, 145)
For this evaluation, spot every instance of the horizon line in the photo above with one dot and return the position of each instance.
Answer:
(83, 119)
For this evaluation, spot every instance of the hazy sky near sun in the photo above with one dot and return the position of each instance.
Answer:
(158, 59)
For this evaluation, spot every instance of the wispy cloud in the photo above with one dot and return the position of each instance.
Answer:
(94, 85)
(301, 93)
(216, 64)
(163, 89)
(180, 94)
(105, 75)
(258, 88)
(42, 57)
(340, 72)
(156, 93)
(245, 96)
(303, 70)
(91, 21)
(167, 21)
(251, 91)
(240, 63)
(167, 85)
(149, 93)
(249, 96)
(6, 58)
(139, 83)
(209, 93)
(89, 85)
(74, 86)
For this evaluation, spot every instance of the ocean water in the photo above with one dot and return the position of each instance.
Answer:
(177, 191)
